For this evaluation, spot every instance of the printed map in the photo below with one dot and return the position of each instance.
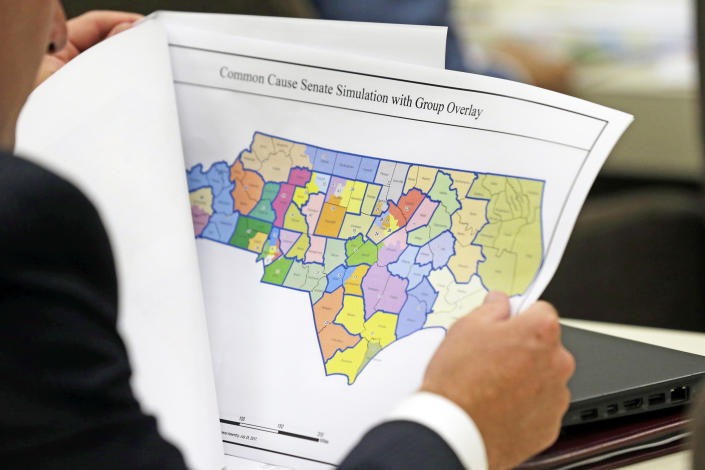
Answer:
(383, 248)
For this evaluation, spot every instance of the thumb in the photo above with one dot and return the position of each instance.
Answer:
(124, 26)
(495, 306)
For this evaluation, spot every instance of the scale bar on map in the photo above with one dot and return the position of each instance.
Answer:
(270, 430)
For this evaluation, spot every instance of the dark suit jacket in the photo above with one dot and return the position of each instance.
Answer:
(65, 397)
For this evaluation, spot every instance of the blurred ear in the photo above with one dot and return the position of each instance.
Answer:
(58, 35)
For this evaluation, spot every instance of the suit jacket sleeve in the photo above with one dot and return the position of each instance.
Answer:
(401, 445)
(65, 396)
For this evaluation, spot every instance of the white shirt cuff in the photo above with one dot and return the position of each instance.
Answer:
(450, 422)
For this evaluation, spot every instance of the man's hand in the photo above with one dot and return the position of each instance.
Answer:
(508, 374)
(84, 32)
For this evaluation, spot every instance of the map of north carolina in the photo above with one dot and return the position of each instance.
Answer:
(382, 248)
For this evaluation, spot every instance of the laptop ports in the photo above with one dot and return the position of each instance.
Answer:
(679, 394)
(657, 399)
(633, 404)
(587, 415)
(612, 409)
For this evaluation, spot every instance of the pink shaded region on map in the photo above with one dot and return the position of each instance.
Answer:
(200, 219)
(287, 238)
(335, 188)
(280, 204)
(312, 210)
(316, 250)
(299, 176)
(392, 248)
(422, 215)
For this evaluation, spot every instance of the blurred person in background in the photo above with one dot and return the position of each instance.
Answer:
(511, 60)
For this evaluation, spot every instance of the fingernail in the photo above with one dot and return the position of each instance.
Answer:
(493, 296)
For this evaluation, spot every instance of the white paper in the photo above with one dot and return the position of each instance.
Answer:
(107, 122)
(268, 356)
(414, 44)
(238, 463)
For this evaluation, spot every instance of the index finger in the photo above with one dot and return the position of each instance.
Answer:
(90, 28)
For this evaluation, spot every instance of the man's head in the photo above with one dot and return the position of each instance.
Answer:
(28, 29)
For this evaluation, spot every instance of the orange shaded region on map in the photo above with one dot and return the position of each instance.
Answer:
(405, 208)
(248, 188)
(352, 285)
(330, 220)
(332, 337)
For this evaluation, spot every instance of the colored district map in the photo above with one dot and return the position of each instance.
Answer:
(383, 248)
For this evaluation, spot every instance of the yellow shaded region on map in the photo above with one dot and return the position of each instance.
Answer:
(203, 199)
(464, 262)
(380, 328)
(378, 233)
(342, 197)
(356, 196)
(352, 285)
(352, 315)
(467, 222)
(379, 207)
(421, 177)
(370, 198)
(348, 362)
(256, 243)
(355, 224)
(294, 220)
(462, 181)
(311, 186)
(377, 332)
(511, 240)
(298, 251)
(300, 197)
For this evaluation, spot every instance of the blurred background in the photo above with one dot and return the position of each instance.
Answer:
(637, 254)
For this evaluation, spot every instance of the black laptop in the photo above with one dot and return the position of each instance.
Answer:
(616, 377)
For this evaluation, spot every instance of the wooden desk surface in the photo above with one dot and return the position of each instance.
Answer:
(682, 340)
